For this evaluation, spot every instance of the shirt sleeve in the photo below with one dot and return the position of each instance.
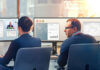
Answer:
(10, 54)
(62, 59)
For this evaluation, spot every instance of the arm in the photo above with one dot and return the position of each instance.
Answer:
(10, 54)
(62, 59)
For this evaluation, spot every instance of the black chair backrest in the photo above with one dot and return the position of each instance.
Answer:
(84, 57)
(33, 59)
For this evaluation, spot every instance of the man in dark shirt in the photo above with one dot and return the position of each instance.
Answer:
(72, 31)
(24, 41)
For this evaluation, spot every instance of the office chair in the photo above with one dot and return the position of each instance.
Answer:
(33, 59)
(84, 57)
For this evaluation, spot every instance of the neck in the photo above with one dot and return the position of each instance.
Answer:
(23, 33)
(75, 33)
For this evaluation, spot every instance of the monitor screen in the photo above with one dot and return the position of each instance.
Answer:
(51, 29)
(8, 29)
(92, 28)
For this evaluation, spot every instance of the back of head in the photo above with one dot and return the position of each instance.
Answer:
(25, 23)
(75, 23)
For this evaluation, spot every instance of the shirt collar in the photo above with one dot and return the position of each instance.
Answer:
(78, 32)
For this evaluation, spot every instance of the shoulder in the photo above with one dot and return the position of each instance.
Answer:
(84, 37)
(14, 44)
(87, 36)
(90, 37)
(15, 41)
(68, 41)
(36, 39)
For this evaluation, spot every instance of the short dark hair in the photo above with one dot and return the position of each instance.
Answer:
(75, 23)
(25, 23)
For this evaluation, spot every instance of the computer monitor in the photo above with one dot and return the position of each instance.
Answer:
(50, 29)
(8, 28)
(92, 28)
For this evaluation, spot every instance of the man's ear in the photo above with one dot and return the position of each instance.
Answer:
(18, 28)
(31, 28)
(75, 29)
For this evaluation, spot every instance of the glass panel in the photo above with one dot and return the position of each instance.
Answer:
(82, 8)
(56, 1)
(8, 8)
(27, 8)
(42, 1)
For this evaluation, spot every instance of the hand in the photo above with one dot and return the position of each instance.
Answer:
(1, 56)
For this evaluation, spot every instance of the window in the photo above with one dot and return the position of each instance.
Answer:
(27, 8)
(8, 8)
